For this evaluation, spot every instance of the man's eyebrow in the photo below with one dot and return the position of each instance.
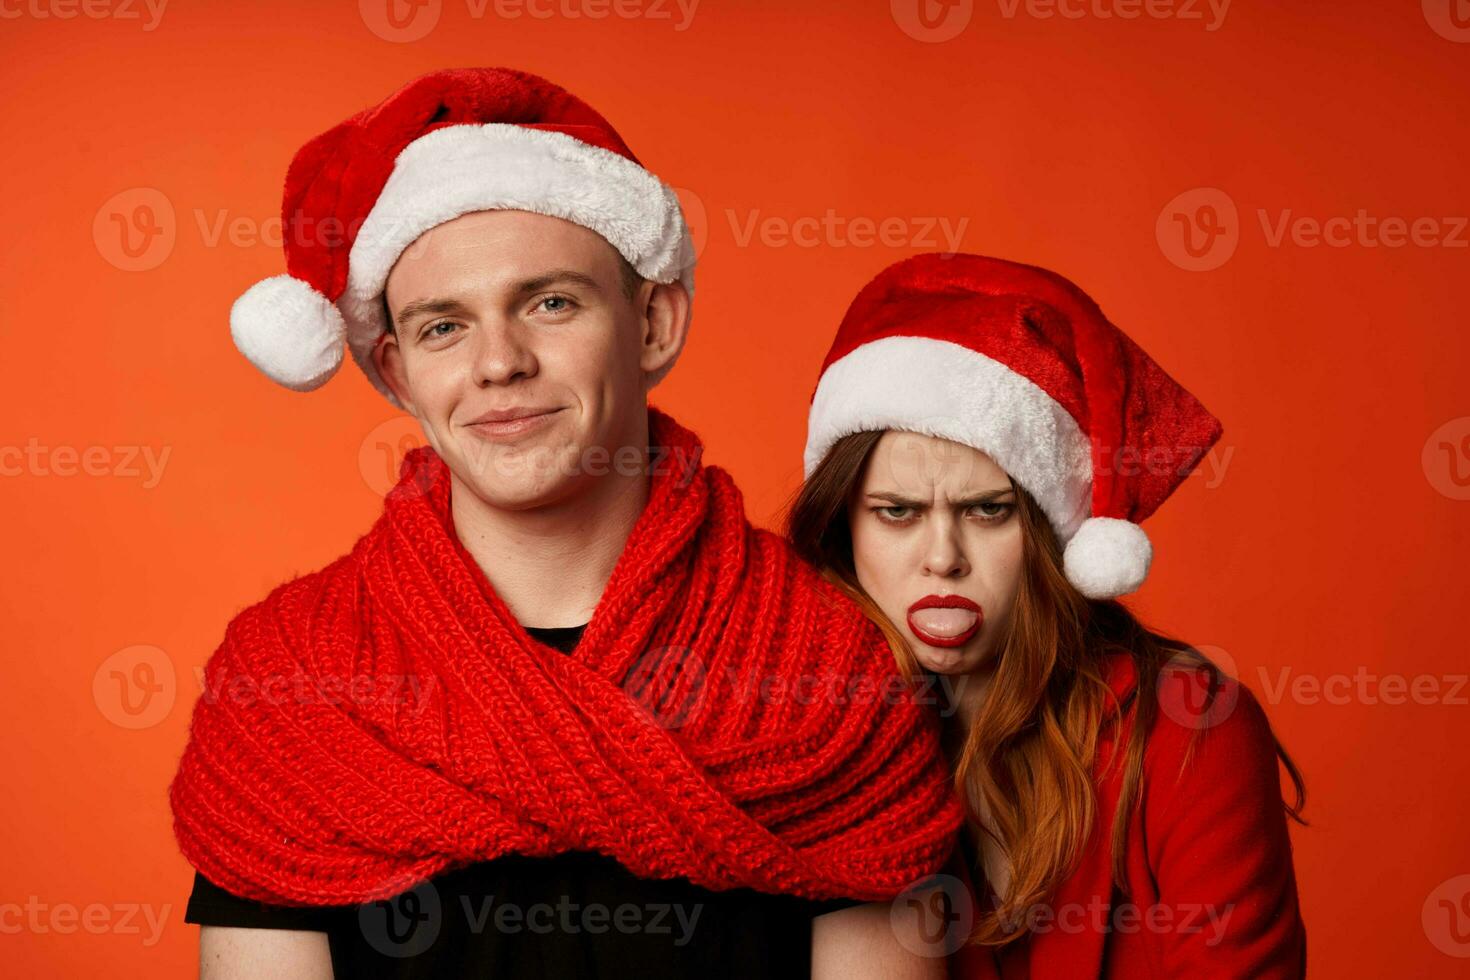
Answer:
(554, 278)
(899, 500)
(420, 307)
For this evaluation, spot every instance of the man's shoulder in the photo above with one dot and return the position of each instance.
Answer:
(297, 592)
(836, 614)
(804, 577)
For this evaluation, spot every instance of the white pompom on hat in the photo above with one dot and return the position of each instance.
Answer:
(448, 143)
(1021, 364)
(290, 331)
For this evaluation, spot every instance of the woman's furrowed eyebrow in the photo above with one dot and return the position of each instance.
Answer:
(899, 500)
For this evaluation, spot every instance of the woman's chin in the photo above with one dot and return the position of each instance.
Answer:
(946, 660)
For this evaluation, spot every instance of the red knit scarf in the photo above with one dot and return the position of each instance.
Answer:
(727, 716)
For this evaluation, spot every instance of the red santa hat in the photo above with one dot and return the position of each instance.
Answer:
(446, 144)
(1020, 364)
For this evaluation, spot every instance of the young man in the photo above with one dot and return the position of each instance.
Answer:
(562, 711)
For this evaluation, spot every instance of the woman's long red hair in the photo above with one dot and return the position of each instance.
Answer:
(1027, 760)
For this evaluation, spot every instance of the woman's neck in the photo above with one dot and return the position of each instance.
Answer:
(965, 696)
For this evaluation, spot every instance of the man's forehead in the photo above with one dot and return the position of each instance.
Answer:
(467, 265)
(524, 228)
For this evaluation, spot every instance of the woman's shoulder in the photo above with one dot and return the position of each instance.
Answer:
(1201, 713)
(1210, 756)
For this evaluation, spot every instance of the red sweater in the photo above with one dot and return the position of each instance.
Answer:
(1208, 864)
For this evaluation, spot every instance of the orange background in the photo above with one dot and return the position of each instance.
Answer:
(1331, 545)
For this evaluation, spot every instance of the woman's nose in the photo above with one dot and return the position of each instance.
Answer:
(944, 556)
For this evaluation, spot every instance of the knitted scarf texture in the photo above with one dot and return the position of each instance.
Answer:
(727, 717)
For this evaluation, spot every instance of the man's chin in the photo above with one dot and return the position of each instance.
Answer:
(522, 495)
(512, 481)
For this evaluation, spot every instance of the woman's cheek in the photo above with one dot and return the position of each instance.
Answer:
(877, 558)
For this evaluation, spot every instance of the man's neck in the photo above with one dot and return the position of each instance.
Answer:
(551, 564)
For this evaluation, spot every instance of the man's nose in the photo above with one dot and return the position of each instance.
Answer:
(503, 354)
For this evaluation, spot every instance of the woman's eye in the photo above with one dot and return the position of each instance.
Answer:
(992, 511)
(895, 513)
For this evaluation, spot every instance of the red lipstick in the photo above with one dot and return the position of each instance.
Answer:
(939, 635)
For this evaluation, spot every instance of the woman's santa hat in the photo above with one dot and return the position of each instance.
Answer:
(446, 144)
(1019, 363)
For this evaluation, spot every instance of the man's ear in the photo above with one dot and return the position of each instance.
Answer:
(666, 313)
(388, 358)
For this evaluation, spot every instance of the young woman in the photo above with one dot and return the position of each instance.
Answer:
(982, 445)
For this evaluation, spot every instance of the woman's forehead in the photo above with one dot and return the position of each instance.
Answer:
(915, 463)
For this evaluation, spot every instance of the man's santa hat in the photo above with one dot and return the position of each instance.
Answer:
(1021, 364)
(446, 144)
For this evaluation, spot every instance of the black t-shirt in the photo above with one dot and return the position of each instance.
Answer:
(578, 914)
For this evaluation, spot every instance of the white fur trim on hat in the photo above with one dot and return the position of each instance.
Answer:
(938, 388)
(289, 331)
(1107, 557)
(458, 169)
